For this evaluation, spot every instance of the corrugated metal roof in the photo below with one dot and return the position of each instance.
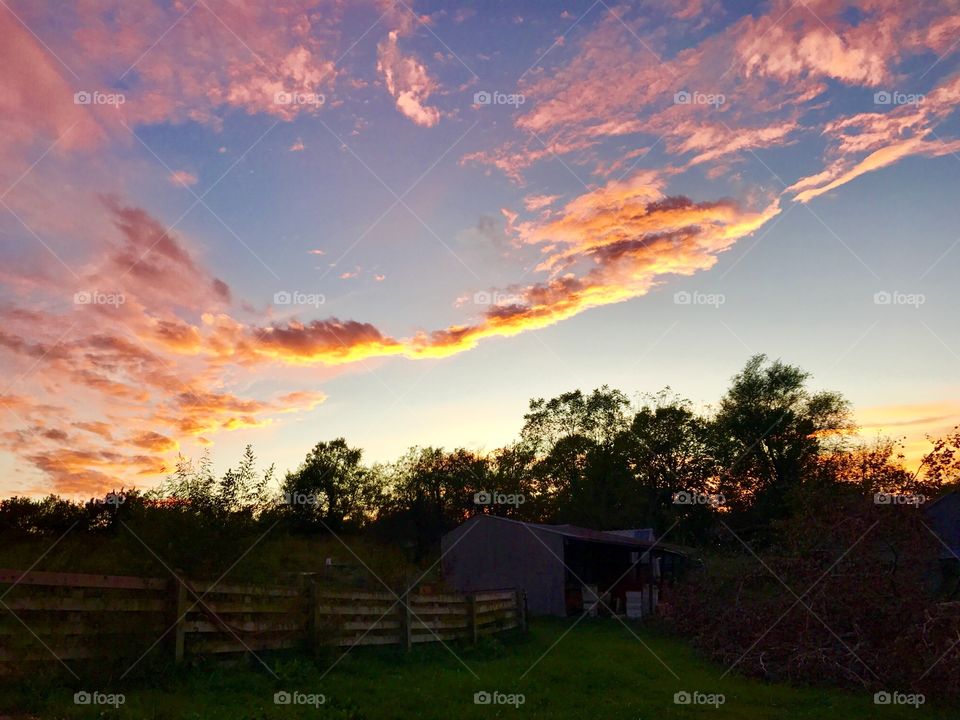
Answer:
(639, 533)
(586, 534)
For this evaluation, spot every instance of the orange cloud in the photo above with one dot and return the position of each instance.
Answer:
(630, 234)
(153, 441)
(113, 347)
(93, 471)
(627, 234)
(199, 412)
(331, 342)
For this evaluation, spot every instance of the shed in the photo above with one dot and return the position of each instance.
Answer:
(555, 565)
(944, 517)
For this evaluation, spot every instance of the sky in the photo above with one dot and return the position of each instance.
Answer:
(226, 222)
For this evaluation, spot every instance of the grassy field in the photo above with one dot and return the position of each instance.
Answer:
(599, 669)
(150, 554)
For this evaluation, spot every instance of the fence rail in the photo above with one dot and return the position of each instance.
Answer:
(47, 616)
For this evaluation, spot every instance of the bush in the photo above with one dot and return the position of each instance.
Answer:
(846, 597)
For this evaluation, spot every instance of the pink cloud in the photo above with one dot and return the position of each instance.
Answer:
(183, 177)
(768, 69)
(240, 54)
(867, 142)
(539, 202)
(407, 81)
(36, 101)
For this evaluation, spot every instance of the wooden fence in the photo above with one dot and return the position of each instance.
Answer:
(45, 616)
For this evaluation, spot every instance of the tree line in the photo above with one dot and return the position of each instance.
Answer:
(594, 459)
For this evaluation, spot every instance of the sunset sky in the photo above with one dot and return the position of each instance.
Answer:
(227, 222)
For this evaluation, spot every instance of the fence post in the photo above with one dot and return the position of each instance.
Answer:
(521, 600)
(472, 605)
(313, 612)
(406, 622)
(180, 599)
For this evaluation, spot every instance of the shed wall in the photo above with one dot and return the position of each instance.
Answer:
(945, 518)
(487, 553)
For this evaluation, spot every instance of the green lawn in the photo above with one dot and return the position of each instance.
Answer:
(597, 670)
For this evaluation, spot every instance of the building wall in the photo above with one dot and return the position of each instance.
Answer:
(487, 553)
(945, 518)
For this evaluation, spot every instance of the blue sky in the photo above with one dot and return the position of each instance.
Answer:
(654, 194)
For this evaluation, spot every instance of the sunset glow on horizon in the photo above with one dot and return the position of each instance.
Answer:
(230, 222)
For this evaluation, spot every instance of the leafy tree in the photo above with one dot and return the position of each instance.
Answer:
(769, 432)
(244, 490)
(433, 491)
(510, 472)
(598, 417)
(940, 468)
(573, 438)
(331, 487)
(51, 515)
(668, 451)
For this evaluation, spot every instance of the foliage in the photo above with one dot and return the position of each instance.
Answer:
(769, 431)
(844, 596)
(331, 487)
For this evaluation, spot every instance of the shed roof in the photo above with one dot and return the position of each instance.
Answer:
(588, 535)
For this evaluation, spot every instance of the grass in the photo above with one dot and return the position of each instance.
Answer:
(264, 556)
(599, 669)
